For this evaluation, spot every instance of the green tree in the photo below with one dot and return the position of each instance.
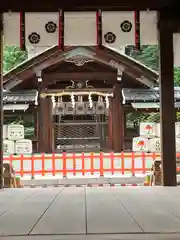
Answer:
(177, 76)
(148, 55)
(13, 56)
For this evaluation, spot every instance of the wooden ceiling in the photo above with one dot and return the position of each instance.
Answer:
(55, 5)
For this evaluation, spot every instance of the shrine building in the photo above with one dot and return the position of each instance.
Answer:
(79, 98)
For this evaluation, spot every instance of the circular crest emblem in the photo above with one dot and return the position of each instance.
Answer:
(110, 37)
(126, 26)
(51, 27)
(34, 38)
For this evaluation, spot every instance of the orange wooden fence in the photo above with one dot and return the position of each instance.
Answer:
(83, 164)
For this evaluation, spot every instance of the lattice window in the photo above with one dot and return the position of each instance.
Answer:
(80, 135)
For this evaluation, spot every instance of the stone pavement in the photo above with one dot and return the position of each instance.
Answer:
(90, 213)
(99, 237)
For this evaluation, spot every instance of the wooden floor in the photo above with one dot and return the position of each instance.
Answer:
(83, 213)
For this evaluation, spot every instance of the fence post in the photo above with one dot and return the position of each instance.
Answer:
(132, 166)
(101, 165)
(144, 162)
(32, 167)
(22, 165)
(83, 164)
(92, 163)
(53, 164)
(112, 163)
(74, 164)
(64, 165)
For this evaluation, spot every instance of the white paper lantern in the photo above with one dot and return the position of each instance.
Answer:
(177, 144)
(140, 144)
(100, 106)
(148, 129)
(8, 147)
(155, 144)
(80, 108)
(5, 131)
(23, 146)
(15, 131)
(69, 109)
(177, 129)
(158, 130)
(90, 110)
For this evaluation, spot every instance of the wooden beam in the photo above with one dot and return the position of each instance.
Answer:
(12, 83)
(171, 19)
(108, 76)
(13, 80)
(55, 5)
(51, 60)
(167, 110)
(123, 64)
(105, 90)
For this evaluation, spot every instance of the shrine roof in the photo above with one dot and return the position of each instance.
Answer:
(110, 57)
(150, 105)
(140, 96)
(19, 97)
(145, 95)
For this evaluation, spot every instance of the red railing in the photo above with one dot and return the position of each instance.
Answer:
(74, 164)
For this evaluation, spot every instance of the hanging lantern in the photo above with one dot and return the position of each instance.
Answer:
(107, 101)
(69, 109)
(73, 100)
(89, 110)
(80, 106)
(90, 101)
(36, 99)
(100, 106)
(53, 101)
(60, 106)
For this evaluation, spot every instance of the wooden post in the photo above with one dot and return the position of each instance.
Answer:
(117, 119)
(49, 129)
(1, 102)
(122, 123)
(40, 125)
(125, 130)
(110, 134)
(45, 125)
(167, 110)
(36, 127)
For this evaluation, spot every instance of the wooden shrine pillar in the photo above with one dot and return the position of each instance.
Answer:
(123, 126)
(110, 133)
(117, 119)
(45, 141)
(167, 110)
(36, 127)
(1, 102)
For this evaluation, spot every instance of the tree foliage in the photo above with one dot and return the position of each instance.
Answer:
(13, 56)
(149, 56)
(177, 76)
